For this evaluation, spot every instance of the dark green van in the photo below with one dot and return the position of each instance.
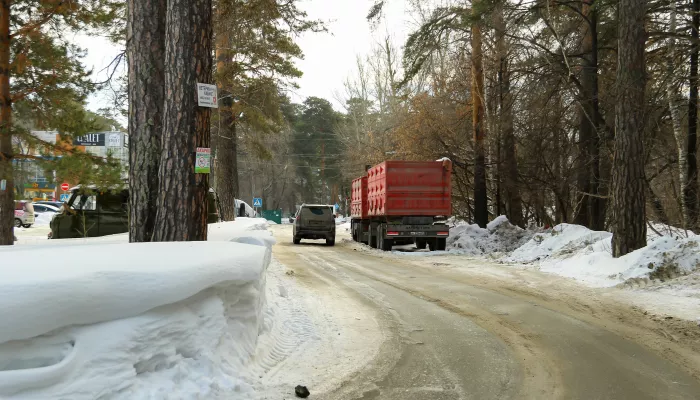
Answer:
(99, 213)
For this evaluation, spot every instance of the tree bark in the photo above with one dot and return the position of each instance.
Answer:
(629, 182)
(673, 108)
(591, 208)
(481, 213)
(182, 197)
(690, 192)
(146, 54)
(227, 166)
(7, 204)
(226, 173)
(514, 208)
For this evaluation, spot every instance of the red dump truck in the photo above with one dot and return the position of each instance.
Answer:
(403, 202)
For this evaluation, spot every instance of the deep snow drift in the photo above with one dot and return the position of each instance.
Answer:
(132, 321)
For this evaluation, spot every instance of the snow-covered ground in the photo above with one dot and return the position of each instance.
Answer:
(218, 319)
(666, 272)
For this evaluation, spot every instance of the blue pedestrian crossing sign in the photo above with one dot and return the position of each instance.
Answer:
(65, 197)
(257, 202)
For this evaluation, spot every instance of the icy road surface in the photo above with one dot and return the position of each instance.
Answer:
(461, 328)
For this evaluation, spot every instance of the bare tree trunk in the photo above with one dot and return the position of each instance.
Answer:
(226, 173)
(588, 166)
(146, 50)
(182, 198)
(481, 212)
(673, 107)
(227, 166)
(629, 183)
(514, 208)
(690, 192)
(7, 196)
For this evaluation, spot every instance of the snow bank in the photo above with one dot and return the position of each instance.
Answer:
(500, 236)
(95, 283)
(563, 239)
(577, 252)
(132, 321)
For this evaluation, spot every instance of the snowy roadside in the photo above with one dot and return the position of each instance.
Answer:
(663, 277)
(188, 320)
(134, 321)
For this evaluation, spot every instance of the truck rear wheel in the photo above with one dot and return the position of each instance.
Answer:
(373, 237)
(383, 243)
(437, 244)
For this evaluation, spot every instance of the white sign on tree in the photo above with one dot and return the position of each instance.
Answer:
(207, 95)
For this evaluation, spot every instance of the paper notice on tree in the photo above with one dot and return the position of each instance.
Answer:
(207, 95)
(202, 162)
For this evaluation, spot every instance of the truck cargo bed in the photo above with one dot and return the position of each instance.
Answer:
(409, 188)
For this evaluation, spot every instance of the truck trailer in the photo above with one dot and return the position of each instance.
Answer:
(403, 202)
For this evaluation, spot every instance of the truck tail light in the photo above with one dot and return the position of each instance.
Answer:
(392, 233)
(443, 233)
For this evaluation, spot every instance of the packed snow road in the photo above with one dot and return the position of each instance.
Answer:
(451, 334)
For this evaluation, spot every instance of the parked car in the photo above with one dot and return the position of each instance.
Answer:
(24, 213)
(314, 221)
(244, 210)
(56, 204)
(44, 208)
(93, 213)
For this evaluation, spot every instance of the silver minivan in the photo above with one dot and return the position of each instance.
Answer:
(24, 213)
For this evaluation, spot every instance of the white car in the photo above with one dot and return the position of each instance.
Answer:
(44, 208)
(24, 213)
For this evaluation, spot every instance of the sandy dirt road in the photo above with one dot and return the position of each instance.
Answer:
(461, 333)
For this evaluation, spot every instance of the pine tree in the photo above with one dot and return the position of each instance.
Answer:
(146, 54)
(41, 71)
(182, 195)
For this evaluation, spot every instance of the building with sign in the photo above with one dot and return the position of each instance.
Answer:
(103, 143)
(33, 180)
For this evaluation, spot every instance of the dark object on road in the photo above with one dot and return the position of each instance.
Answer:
(301, 391)
(403, 202)
(315, 222)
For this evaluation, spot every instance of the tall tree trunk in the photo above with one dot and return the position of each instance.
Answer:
(7, 196)
(690, 192)
(591, 208)
(227, 166)
(182, 198)
(673, 108)
(629, 183)
(226, 173)
(481, 212)
(514, 208)
(146, 54)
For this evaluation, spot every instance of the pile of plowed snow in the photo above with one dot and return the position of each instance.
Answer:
(499, 237)
(577, 252)
(134, 321)
(580, 253)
